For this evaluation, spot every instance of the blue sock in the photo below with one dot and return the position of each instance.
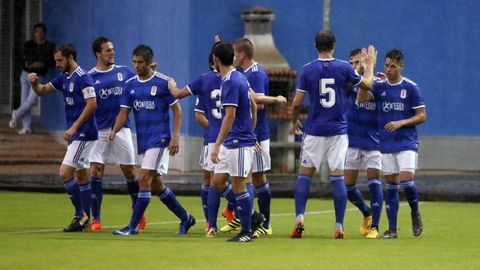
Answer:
(74, 194)
(411, 194)
(250, 190)
(230, 196)
(133, 189)
(391, 205)
(204, 196)
(169, 199)
(144, 197)
(301, 192)
(245, 207)
(230, 207)
(213, 203)
(355, 197)
(97, 197)
(376, 200)
(264, 197)
(86, 197)
(339, 198)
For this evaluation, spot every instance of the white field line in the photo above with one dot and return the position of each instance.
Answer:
(176, 222)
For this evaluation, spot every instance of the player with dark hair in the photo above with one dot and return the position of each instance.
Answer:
(148, 96)
(258, 80)
(234, 146)
(401, 109)
(80, 104)
(363, 153)
(109, 82)
(326, 80)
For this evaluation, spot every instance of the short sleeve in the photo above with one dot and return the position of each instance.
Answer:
(416, 99)
(302, 82)
(229, 93)
(353, 75)
(257, 82)
(195, 88)
(199, 106)
(85, 83)
(57, 82)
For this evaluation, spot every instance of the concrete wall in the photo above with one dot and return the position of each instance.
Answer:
(439, 39)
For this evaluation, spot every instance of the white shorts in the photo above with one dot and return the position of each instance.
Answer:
(156, 159)
(236, 162)
(315, 148)
(78, 153)
(358, 159)
(206, 158)
(262, 161)
(404, 161)
(121, 150)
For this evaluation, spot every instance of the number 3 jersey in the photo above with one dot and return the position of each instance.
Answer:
(326, 81)
(150, 101)
(76, 88)
(207, 88)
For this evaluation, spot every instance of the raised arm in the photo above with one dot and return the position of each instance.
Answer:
(177, 124)
(370, 57)
(175, 92)
(40, 89)
(253, 109)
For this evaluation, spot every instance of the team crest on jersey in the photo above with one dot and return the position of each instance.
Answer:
(403, 93)
(120, 76)
(70, 87)
(153, 91)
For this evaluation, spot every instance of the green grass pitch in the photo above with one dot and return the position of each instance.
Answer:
(31, 238)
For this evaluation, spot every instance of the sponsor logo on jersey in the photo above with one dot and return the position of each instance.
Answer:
(69, 101)
(369, 106)
(393, 106)
(70, 87)
(105, 93)
(120, 76)
(153, 91)
(143, 104)
(403, 93)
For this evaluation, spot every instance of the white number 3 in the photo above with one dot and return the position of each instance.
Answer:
(327, 94)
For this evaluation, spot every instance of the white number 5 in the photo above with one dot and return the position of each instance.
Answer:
(327, 94)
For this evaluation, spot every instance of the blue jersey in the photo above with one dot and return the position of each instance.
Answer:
(326, 82)
(258, 80)
(397, 102)
(109, 89)
(362, 123)
(150, 101)
(76, 88)
(207, 88)
(235, 92)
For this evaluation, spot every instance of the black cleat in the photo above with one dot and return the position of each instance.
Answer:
(257, 220)
(417, 225)
(242, 237)
(388, 234)
(76, 225)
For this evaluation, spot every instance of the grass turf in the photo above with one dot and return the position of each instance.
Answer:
(31, 238)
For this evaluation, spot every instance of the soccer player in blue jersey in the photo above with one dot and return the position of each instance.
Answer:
(258, 80)
(363, 153)
(234, 146)
(326, 81)
(80, 104)
(109, 80)
(149, 98)
(401, 109)
(208, 114)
